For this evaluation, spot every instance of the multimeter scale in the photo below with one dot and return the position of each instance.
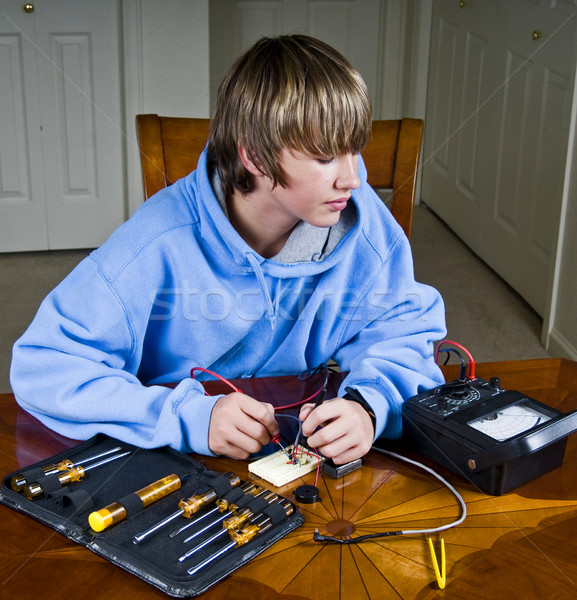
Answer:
(496, 439)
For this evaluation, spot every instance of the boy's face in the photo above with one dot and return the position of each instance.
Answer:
(317, 188)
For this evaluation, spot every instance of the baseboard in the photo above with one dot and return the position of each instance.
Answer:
(558, 345)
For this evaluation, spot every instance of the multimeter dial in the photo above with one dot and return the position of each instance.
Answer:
(451, 398)
(509, 421)
(459, 398)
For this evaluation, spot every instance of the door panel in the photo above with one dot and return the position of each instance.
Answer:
(22, 200)
(67, 133)
(510, 121)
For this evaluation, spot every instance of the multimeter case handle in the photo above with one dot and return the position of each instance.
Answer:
(550, 433)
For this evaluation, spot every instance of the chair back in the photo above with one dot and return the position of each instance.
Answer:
(170, 148)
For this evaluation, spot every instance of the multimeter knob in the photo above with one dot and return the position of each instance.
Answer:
(495, 384)
(461, 391)
(442, 403)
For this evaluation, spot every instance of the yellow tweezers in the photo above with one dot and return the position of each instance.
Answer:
(440, 575)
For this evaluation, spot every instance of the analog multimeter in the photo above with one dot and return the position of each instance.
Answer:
(497, 439)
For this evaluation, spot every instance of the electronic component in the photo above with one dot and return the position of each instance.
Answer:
(497, 439)
(336, 471)
(307, 494)
(281, 467)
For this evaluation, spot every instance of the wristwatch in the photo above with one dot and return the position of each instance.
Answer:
(355, 396)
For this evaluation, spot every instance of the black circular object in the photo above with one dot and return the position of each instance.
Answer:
(307, 494)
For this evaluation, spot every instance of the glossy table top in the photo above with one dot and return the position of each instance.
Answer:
(519, 545)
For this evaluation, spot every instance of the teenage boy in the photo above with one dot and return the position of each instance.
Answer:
(272, 257)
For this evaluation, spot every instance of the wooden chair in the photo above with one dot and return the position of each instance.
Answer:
(170, 147)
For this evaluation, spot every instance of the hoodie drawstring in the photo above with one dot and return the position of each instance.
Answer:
(255, 264)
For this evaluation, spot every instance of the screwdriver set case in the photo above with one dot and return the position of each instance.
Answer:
(123, 470)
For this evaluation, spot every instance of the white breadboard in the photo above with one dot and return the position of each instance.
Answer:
(279, 470)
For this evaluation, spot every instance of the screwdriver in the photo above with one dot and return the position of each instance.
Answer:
(187, 507)
(222, 504)
(234, 510)
(233, 523)
(115, 512)
(18, 481)
(259, 525)
(76, 473)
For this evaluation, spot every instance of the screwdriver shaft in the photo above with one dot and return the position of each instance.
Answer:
(34, 489)
(144, 534)
(206, 527)
(18, 481)
(200, 546)
(104, 461)
(211, 558)
(195, 521)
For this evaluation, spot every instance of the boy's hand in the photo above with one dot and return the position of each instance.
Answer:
(346, 429)
(240, 426)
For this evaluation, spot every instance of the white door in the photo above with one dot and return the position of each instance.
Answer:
(61, 165)
(496, 131)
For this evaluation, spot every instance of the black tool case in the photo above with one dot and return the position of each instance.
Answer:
(155, 559)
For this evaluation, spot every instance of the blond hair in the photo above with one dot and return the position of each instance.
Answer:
(288, 92)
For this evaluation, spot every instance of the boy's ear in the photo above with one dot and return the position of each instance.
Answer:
(251, 164)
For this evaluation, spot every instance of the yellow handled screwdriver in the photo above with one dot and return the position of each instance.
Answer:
(76, 473)
(258, 525)
(222, 505)
(18, 481)
(115, 512)
(187, 507)
(233, 523)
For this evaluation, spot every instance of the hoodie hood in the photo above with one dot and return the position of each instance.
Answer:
(296, 259)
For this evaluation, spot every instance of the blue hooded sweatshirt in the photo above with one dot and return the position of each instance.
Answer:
(176, 287)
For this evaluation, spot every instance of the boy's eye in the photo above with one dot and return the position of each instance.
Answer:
(325, 161)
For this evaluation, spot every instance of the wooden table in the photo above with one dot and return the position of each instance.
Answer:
(520, 545)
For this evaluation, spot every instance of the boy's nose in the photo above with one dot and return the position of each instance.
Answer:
(348, 177)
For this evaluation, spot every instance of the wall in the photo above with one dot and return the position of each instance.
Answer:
(175, 82)
(166, 69)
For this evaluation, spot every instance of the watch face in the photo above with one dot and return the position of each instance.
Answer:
(509, 421)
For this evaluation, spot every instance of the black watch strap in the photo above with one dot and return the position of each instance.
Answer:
(355, 396)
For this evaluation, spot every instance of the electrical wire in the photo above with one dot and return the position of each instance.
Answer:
(310, 372)
(299, 429)
(471, 373)
(325, 538)
(303, 377)
(229, 383)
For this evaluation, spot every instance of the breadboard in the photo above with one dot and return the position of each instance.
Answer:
(279, 470)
